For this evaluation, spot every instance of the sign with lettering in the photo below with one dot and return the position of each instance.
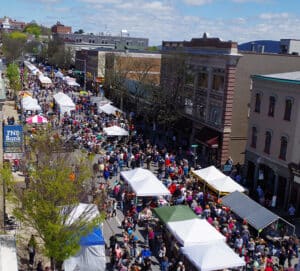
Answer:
(13, 138)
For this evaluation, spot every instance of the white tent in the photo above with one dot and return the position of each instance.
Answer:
(218, 181)
(33, 69)
(115, 131)
(44, 80)
(199, 232)
(109, 109)
(226, 185)
(91, 256)
(217, 256)
(70, 81)
(29, 103)
(8, 253)
(144, 183)
(209, 173)
(64, 102)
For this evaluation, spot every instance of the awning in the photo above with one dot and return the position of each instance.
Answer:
(256, 215)
(213, 142)
(207, 137)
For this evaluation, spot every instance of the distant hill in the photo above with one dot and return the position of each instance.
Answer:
(270, 46)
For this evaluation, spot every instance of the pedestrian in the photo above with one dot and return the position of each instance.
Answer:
(31, 249)
(39, 266)
(114, 206)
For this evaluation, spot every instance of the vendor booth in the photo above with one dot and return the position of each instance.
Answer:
(37, 119)
(168, 214)
(70, 81)
(91, 256)
(218, 182)
(31, 104)
(216, 256)
(44, 80)
(115, 131)
(144, 183)
(194, 231)
(33, 69)
(255, 214)
(64, 102)
(109, 109)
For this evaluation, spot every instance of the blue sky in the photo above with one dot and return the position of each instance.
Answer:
(237, 20)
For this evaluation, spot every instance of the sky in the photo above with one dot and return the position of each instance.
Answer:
(236, 20)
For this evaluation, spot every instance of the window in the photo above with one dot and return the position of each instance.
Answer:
(189, 78)
(283, 147)
(254, 137)
(257, 102)
(203, 80)
(218, 82)
(288, 109)
(215, 115)
(272, 102)
(268, 140)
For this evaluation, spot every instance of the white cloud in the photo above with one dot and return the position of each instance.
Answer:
(271, 16)
(197, 2)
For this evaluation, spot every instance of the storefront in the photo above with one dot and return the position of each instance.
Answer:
(273, 178)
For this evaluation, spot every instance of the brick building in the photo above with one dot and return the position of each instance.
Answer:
(204, 71)
(59, 28)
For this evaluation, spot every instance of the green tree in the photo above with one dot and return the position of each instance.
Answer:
(52, 196)
(33, 29)
(13, 75)
(80, 31)
(13, 45)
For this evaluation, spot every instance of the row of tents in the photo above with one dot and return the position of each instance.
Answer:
(202, 245)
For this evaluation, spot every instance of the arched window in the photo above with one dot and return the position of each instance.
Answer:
(272, 102)
(257, 102)
(268, 140)
(254, 137)
(283, 147)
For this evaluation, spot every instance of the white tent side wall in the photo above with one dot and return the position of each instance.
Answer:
(64, 102)
(89, 258)
(8, 253)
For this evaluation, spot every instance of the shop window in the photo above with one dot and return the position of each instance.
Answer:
(272, 102)
(288, 109)
(254, 137)
(283, 147)
(218, 82)
(268, 140)
(257, 102)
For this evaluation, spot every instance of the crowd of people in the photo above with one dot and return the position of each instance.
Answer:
(83, 128)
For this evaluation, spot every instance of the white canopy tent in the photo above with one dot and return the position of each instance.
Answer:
(115, 131)
(70, 81)
(144, 183)
(44, 80)
(109, 109)
(8, 253)
(199, 232)
(33, 69)
(65, 103)
(226, 185)
(91, 256)
(208, 257)
(218, 181)
(59, 74)
(209, 173)
(29, 103)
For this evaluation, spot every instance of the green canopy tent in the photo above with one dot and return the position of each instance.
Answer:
(174, 213)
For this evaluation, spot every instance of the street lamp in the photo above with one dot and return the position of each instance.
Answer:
(84, 70)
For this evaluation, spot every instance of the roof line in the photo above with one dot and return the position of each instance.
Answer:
(280, 80)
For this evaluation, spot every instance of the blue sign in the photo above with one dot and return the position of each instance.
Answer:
(12, 138)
